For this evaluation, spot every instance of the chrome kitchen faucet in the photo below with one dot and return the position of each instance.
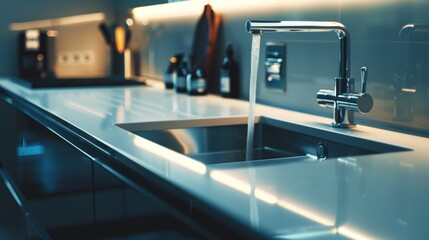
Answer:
(342, 99)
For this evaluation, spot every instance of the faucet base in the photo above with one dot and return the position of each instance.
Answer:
(343, 125)
(343, 118)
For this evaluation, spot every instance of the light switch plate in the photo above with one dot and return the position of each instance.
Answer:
(275, 66)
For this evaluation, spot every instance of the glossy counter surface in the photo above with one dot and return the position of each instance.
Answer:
(380, 196)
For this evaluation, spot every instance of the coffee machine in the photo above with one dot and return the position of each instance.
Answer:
(36, 54)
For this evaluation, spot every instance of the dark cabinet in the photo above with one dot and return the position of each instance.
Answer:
(67, 192)
(122, 212)
(14, 225)
(48, 176)
(16, 221)
(56, 180)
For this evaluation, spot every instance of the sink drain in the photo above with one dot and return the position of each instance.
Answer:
(321, 151)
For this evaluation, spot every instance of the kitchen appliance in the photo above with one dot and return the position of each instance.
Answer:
(37, 64)
(36, 54)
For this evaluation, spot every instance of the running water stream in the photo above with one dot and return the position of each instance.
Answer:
(254, 62)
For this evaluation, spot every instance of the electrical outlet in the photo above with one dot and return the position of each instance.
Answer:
(275, 66)
(76, 58)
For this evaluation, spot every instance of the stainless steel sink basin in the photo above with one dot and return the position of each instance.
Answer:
(223, 140)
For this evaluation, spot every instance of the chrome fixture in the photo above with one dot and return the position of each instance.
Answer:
(342, 99)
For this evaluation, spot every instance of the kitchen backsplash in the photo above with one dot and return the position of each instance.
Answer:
(74, 47)
(391, 38)
(81, 51)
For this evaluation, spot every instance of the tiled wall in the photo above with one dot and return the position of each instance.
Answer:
(398, 63)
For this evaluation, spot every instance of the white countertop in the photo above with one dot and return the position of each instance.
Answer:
(382, 196)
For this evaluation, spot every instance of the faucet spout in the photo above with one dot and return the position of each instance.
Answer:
(259, 27)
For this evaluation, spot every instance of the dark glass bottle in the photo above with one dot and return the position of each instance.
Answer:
(180, 84)
(196, 82)
(229, 75)
(170, 74)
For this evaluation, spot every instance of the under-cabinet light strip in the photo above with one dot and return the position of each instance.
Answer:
(56, 22)
(255, 7)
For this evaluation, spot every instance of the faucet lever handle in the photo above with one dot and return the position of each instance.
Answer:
(363, 78)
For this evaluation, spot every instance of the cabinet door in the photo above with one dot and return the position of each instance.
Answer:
(56, 180)
(122, 212)
(12, 218)
(74, 197)
(16, 222)
(69, 192)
